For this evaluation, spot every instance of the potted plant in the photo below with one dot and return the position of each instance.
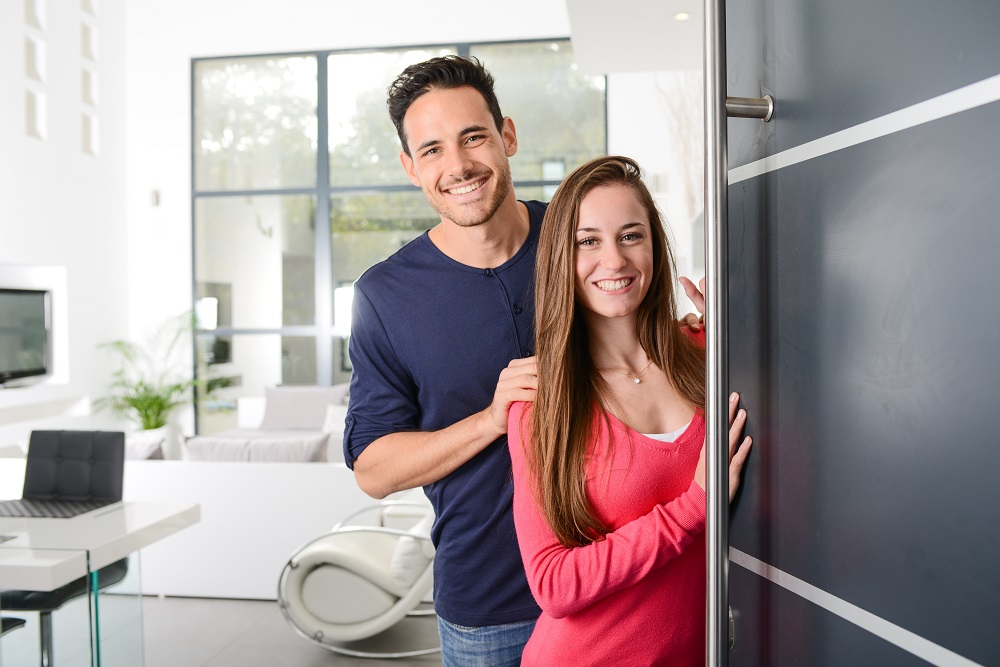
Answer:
(153, 380)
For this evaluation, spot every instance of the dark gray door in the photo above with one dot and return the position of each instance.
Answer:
(864, 328)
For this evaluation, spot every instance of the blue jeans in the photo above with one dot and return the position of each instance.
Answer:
(486, 646)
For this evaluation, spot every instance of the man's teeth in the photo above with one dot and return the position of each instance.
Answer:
(465, 189)
(612, 285)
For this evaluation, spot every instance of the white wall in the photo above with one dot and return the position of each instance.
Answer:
(60, 207)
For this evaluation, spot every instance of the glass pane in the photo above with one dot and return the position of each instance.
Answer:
(559, 114)
(255, 124)
(341, 360)
(253, 362)
(71, 624)
(538, 193)
(364, 147)
(298, 360)
(368, 227)
(255, 256)
(118, 609)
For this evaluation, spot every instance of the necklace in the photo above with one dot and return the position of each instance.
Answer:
(635, 376)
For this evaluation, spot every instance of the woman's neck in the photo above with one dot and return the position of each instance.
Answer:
(614, 343)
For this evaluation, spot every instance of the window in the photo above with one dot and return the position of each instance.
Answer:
(298, 190)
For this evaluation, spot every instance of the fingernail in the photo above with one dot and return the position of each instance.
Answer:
(733, 396)
(742, 413)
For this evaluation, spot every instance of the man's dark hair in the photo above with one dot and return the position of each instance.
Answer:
(442, 72)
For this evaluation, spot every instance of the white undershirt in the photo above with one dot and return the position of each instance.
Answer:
(668, 437)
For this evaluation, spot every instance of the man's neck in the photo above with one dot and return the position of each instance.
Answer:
(488, 245)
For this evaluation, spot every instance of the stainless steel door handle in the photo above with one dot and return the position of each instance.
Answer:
(718, 107)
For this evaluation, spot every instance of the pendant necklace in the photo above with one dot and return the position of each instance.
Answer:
(635, 376)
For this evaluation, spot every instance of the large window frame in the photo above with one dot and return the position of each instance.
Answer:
(330, 343)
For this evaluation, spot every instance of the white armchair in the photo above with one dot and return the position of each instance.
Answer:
(360, 580)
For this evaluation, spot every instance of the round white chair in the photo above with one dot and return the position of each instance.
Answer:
(358, 581)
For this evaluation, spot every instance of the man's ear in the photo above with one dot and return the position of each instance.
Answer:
(411, 171)
(509, 135)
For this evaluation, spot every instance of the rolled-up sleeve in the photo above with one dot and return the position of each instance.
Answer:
(383, 394)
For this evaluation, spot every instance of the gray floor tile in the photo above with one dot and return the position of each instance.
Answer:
(198, 632)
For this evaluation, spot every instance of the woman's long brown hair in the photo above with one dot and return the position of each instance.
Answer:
(570, 387)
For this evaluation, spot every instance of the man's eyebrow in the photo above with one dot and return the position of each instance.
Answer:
(472, 129)
(428, 144)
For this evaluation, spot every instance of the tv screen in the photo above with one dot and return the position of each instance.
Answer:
(24, 334)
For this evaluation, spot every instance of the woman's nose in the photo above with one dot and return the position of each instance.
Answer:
(612, 258)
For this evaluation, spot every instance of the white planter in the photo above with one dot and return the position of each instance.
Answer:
(148, 444)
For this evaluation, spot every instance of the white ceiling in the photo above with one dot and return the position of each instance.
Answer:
(611, 36)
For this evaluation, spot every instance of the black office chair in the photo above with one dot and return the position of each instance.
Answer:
(68, 472)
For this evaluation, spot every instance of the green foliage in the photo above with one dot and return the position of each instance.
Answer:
(153, 379)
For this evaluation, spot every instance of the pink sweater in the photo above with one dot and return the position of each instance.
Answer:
(636, 597)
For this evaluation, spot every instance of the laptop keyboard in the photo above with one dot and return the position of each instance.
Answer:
(58, 509)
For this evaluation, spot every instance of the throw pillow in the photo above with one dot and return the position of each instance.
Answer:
(411, 555)
(299, 407)
(305, 448)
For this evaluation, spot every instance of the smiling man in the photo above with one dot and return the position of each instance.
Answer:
(441, 344)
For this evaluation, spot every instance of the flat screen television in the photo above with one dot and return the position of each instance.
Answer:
(25, 334)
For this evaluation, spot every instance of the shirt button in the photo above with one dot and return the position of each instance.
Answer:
(517, 310)
(487, 272)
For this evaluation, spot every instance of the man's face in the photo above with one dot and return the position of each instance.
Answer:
(457, 155)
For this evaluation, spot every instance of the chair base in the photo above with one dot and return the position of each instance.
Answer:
(384, 655)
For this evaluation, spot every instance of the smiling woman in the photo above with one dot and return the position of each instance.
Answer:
(608, 461)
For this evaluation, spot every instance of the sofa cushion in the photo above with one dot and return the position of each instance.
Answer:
(216, 448)
(253, 445)
(300, 407)
(306, 447)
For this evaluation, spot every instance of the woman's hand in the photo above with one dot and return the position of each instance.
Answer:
(738, 451)
(697, 296)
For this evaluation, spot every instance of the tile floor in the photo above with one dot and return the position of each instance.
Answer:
(198, 632)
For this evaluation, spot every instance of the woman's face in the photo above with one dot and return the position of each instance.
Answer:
(614, 252)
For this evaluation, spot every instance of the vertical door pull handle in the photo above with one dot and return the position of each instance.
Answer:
(718, 107)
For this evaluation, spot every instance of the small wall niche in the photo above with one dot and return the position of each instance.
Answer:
(34, 13)
(35, 114)
(88, 42)
(89, 136)
(88, 87)
(34, 59)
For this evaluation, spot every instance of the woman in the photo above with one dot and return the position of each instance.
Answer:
(608, 462)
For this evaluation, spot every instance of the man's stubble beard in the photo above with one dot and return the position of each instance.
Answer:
(497, 199)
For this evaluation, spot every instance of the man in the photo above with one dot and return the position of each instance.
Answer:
(441, 344)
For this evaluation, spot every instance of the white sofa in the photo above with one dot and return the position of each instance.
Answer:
(298, 424)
